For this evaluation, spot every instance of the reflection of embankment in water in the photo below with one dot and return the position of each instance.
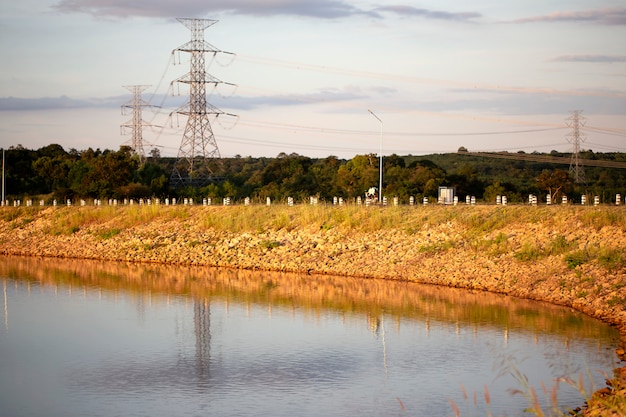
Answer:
(311, 294)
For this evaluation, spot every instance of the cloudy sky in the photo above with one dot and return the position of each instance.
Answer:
(302, 75)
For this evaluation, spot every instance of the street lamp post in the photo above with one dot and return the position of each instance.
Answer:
(380, 155)
(2, 177)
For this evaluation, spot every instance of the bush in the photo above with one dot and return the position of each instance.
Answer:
(575, 259)
(528, 252)
(611, 258)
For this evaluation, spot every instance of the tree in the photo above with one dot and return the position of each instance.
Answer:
(554, 182)
(288, 175)
(103, 174)
(53, 151)
(20, 177)
(155, 153)
(325, 176)
(358, 175)
(153, 176)
(54, 171)
(133, 190)
(492, 191)
(425, 178)
(466, 181)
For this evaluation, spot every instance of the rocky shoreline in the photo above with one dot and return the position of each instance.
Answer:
(501, 250)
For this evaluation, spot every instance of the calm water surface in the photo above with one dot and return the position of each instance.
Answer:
(80, 338)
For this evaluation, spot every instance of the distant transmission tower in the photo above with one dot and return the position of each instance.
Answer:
(198, 145)
(576, 121)
(136, 124)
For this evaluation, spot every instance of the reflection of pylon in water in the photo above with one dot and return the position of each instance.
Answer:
(576, 121)
(136, 124)
(198, 145)
(202, 327)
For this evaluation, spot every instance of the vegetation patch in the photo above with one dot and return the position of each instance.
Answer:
(499, 245)
(617, 302)
(560, 245)
(270, 244)
(13, 213)
(598, 219)
(577, 258)
(437, 246)
(25, 221)
(108, 233)
(529, 252)
(611, 258)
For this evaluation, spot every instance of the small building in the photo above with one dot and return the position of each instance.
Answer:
(446, 195)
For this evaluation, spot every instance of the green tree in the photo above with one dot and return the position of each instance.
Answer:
(21, 179)
(492, 191)
(424, 178)
(555, 182)
(288, 176)
(358, 175)
(154, 176)
(325, 177)
(103, 174)
(53, 171)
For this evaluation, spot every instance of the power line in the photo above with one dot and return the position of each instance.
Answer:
(610, 148)
(317, 129)
(605, 131)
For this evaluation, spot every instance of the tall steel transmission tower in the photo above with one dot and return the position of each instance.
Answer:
(136, 124)
(198, 145)
(576, 121)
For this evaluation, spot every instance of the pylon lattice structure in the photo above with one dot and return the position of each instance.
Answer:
(198, 146)
(136, 124)
(576, 121)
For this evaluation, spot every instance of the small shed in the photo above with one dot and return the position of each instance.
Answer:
(446, 195)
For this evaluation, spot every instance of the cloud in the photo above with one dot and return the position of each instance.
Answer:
(321, 96)
(591, 58)
(169, 102)
(51, 103)
(608, 102)
(613, 16)
(324, 9)
(429, 14)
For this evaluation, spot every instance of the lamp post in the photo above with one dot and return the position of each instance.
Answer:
(380, 164)
(2, 177)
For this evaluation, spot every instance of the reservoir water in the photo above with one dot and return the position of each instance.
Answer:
(83, 338)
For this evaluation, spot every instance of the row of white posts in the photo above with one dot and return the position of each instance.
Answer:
(532, 200)
(227, 201)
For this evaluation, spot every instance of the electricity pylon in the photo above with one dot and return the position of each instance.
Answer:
(198, 145)
(136, 124)
(576, 121)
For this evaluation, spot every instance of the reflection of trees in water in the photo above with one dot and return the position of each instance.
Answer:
(378, 303)
(312, 294)
(374, 323)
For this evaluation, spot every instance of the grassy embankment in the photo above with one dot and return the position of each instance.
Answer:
(576, 235)
(567, 255)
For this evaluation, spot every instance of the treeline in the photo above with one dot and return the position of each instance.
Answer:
(52, 172)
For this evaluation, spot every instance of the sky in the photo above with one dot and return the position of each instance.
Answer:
(302, 76)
